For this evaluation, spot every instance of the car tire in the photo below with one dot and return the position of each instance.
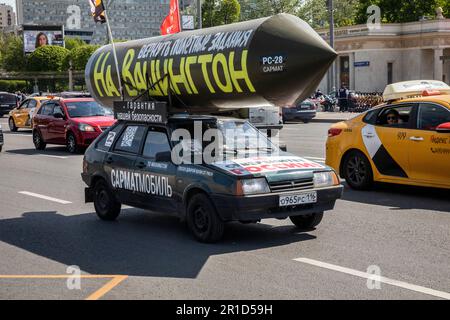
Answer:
(1, 147)
(71, 143)
(357, 171)
(307, 222)
(203, 220)
(12, 125)
(306, 120)
(39, 143)
(106, 206)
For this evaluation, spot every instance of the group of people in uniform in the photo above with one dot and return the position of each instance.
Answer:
(351, 101)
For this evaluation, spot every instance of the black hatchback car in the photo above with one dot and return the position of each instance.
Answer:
(8, 101)
(250, 179)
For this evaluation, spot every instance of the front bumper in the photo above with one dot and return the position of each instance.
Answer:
(266, 206)
(86, 138)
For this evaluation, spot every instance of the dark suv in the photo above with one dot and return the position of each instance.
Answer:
(137, 164)
(8, 101)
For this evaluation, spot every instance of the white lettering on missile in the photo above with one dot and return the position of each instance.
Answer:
(141, 182)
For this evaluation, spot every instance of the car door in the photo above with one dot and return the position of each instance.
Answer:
(156, 172)
(387, 145)
(42, 120)
(31, 109)
(57, 125)
(119, 162)
(430, 150)
(18, 113)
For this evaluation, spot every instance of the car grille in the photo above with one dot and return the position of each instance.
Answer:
(293, 185)
(1, 137)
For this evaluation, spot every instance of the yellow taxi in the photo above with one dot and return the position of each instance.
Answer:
(21, 116)
(406, 140)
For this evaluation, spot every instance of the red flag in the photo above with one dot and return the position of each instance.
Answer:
(171, 23)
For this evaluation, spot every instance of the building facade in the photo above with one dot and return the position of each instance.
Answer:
(369, 59)
(130, 19)
(7, 17)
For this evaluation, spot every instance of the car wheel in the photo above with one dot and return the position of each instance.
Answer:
(39, 143)
(203, 220)
(106, 206)
(71, 143)
(306, 120)
(12, 125)
(307, 222)
(357, 171)
(1, 147)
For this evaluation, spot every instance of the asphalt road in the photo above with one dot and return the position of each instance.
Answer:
(402, 233)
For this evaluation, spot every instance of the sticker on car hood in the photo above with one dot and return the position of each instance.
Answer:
(263, 165)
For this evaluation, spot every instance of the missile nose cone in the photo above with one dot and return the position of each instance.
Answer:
(306, 57)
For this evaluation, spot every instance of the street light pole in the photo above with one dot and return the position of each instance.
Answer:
(331, 74)
(199, 13)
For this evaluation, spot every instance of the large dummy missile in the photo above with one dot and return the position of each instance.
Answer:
(277, 60)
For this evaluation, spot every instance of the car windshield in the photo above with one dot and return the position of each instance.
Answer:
(242, 137)
(87, 109)
(8, 98)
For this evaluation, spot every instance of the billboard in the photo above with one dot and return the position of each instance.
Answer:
(38, 36)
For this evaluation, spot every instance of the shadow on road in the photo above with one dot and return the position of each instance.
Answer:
(151, 245)
(59, 151)
(401, 197)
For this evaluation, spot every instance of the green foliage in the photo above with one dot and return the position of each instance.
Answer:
(219, 12)
(13, 85)
(79, 57)
(12, 55)
(48, 58)
(394, 11)
(72, 43)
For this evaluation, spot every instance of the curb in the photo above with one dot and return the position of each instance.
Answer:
(327, 120)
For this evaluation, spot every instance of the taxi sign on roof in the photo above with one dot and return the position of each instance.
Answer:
(411, 89)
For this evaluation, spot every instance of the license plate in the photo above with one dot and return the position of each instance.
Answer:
(300, 198)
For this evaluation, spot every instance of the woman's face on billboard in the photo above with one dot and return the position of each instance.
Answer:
(42, 40)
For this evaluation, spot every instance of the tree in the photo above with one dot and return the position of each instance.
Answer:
(315, 12)
(394, 11)
(12, 55)
(229, 11)
(72, 43)
(48, 58)
(80, 56)
(219, 12)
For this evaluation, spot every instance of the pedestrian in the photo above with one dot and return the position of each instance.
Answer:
(343, 98)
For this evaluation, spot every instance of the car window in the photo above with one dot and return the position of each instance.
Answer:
(430, 116)
(47, 109)
(24, 104)
(32, 104)
(108, 137)
(396, 116)
(58, 109)
(130, 139)
(155, 143)
(371, 116)
(8, 98)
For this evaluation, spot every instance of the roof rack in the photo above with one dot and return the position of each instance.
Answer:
(413, 89)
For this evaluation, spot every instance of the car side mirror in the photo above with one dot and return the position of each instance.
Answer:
(443, 128)
(58, 115)
(163, 156)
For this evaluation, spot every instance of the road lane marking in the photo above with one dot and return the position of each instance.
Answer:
(40, 196)
(114, 282)
(50, 156)
(365, 275)
(106, 288)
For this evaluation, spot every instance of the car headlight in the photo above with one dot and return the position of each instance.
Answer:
(253, 186)
(86, 127)
(325, 179)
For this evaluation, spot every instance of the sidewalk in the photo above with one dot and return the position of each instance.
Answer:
(333, 117)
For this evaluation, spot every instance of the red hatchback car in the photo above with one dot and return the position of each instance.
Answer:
(71, 122)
